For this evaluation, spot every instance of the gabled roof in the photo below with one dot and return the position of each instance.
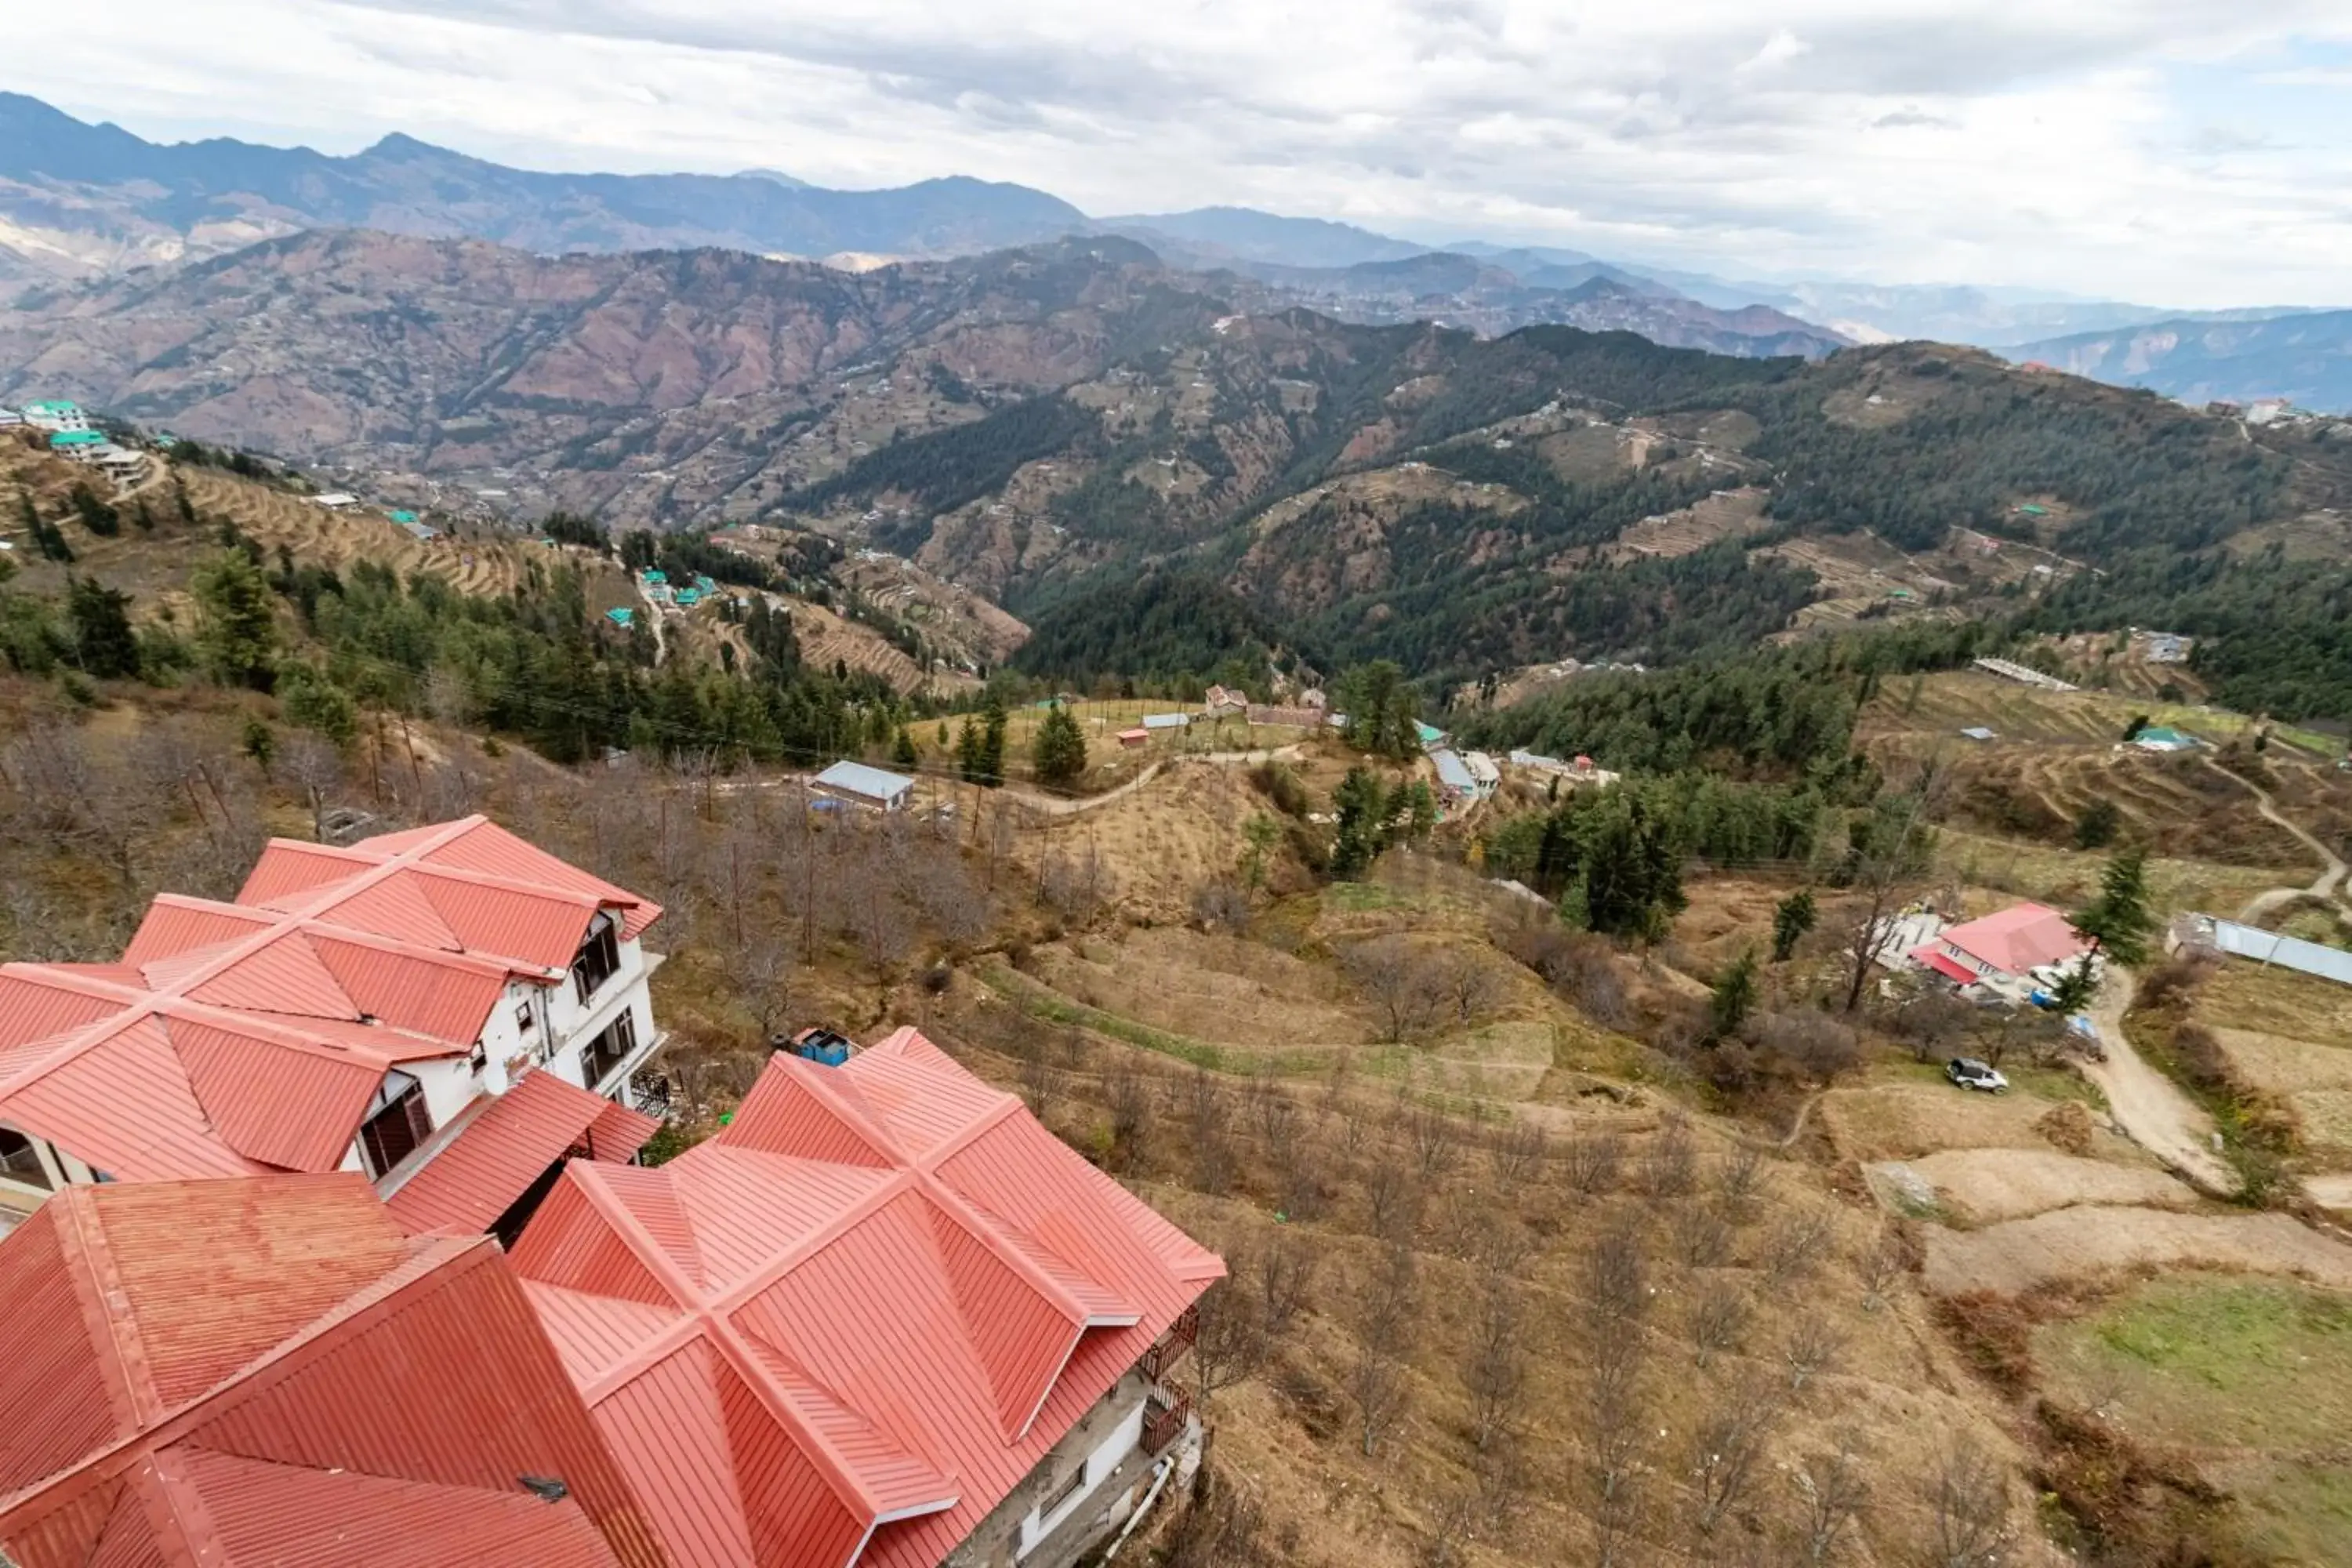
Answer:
(505, 1144)
(239, 1037)
(227, 1372)
(2020, 938)
(847, 1328)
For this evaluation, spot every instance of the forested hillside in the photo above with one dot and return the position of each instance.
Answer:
(1046, 428)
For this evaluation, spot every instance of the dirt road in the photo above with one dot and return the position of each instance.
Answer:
(2324, 887)
(2149, 1106)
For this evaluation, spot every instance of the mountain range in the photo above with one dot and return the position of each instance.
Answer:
(1048, 426)
(80, 202)
(2305, 357)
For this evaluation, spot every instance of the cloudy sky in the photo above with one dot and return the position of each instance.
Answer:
(2188, 152)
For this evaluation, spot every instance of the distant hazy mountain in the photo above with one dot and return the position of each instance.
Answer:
(81, 202)
(2302, 356)
(86, 200)
(1487, 296)
(1210, 237)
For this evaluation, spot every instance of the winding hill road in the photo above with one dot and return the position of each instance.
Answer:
(2150, 1107)
(2326, 887)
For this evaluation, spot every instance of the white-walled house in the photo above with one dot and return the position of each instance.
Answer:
(449, 1011)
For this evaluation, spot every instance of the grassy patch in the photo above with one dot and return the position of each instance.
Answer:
(2217, 1360)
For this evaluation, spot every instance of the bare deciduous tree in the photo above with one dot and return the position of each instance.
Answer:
(1967, 1509)
(1738, 1177)
(1797, 1246)
(1812, 1349)
(1041, 1084)
(1405, 986)
(1470, 983)
(1616, 1281)
(1518, 1153)
(1592, 1160)
(1718, 1322)
(1702, 1234)
(1378, 1385)
(1231, 1343)
(1882, 1265)
(1285, 1273)
(1615, 1431)
(1832, 1492)
(1494, 1372)
(1129, 1095)
(1393, 1196)
(1670, 1159)
(1209, 1123)
(1436, 1141)
(1726, 1451)
(1889, 855)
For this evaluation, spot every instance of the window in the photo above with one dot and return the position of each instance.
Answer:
(608, 1050)
(598, 957)
(397, 1125)
(20, 1161)
(1061, 1494)
(524, 1022)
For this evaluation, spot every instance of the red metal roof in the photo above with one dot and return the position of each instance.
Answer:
(270, 1372)
(237, 1038)
(862, 1313)
(506, 1145)
(1944, 964)
(2021, 937)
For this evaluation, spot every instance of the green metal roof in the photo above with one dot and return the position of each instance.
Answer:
(78, 438)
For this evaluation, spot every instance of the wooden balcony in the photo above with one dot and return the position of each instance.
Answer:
(1170, 1347)
(1164, 1418)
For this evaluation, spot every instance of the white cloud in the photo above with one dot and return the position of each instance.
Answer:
(1986, 141)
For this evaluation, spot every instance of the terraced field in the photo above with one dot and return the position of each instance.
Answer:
(1723, 515)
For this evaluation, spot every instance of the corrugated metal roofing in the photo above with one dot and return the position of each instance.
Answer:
(507, 1145)
(289, 1517)
(821, 1325)
(239, 1035)
(174, 925)
(276, 1371)
(870, 784)
(31, 1010)
(291, 1108)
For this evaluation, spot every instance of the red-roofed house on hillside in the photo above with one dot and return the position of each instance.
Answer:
(231, 1373)
(448, 1010)
(2003, 949)
(884, 1319)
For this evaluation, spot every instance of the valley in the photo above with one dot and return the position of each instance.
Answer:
(1549, 1173)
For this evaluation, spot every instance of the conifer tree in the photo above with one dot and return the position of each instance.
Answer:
(1733, 999)
(1360, 832)
(902, 750)
(2119, 918)
(1793, 916)
(1059, 752)
(104, 645)
(239, 633)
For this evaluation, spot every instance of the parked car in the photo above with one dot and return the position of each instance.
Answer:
(1970, 1073)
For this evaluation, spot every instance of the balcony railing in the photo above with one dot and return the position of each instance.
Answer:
(1164, 1417)
(1170, 1347)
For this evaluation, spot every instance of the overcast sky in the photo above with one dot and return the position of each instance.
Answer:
(2192, 152)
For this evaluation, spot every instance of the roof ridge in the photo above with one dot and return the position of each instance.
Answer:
(237, 950)
(719, 1330)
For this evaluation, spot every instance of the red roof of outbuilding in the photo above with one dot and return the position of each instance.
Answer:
(508, 1144)
(845, 1328)
(1944, 964)
(239, 1037)
(269, 1372)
